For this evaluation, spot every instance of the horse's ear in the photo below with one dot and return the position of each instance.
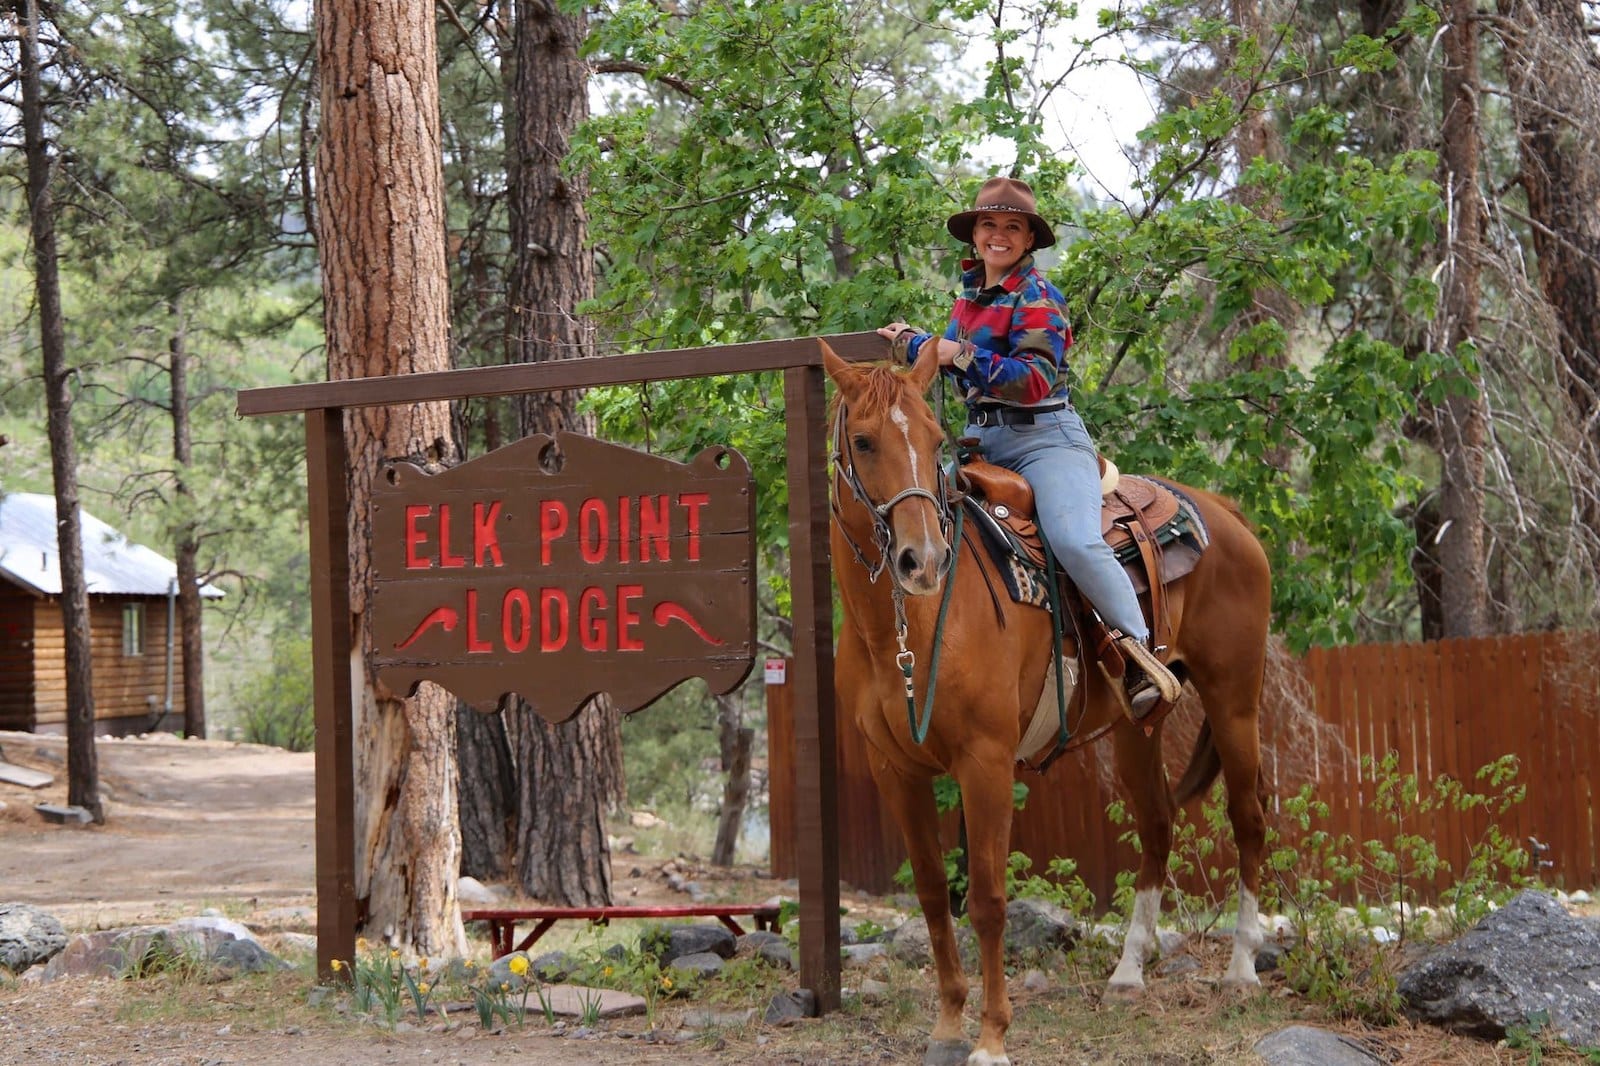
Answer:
(835, 366)
(926, 368)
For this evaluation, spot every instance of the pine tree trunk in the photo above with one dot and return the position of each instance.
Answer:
(1459, 423)
(570, 775)
(83, 773)
(186, 547)
(381, 241)
(488, 794)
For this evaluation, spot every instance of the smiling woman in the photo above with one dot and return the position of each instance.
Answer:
(1005, 346)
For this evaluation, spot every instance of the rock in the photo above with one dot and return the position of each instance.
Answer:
(471, 890)
(701, 963)
(751, 943)
(694, 939)
(500, 972)
(777, 955)
(22, 775)
(28, 936)
(60, 815)
(873, 991)
(573, 1001)
(1527, 961)
(1304, 1045)
(862, 954)
(224, 945)
(1270, 956)
(911, 945)
(301, 943)
(554, 966)
(1037, 926)
(718, 1019)
(1176, 965)
(786, 1008)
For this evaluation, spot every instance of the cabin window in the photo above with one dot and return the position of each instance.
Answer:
(133, 629)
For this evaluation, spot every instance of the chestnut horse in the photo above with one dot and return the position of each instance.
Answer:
(890, 514)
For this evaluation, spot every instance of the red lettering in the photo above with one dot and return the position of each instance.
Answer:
(692, 502)
(655, 528)
(592, 628)
(485, 539)
(446, 560)
(627, 620)
(474, 645)
(415, 537)
(552, 524)
(624, 529)
(552, 619)
(516, 620)
(594, 536)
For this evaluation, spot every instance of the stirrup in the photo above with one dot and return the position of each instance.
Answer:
(1165, 686)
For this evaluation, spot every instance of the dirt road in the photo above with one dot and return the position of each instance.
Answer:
(192, 825)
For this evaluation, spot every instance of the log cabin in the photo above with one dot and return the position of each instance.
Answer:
(135, 647)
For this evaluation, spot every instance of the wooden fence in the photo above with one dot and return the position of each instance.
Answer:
(1443, 708)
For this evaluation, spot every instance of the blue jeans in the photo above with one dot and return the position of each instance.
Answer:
(1058, 459)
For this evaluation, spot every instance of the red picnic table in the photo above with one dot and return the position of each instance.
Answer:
(502, 922)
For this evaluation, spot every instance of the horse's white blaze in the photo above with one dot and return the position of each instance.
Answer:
(1141, 939)
(930, 534)
(1247, 938)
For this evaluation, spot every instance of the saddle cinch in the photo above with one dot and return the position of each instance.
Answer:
(1155, 532)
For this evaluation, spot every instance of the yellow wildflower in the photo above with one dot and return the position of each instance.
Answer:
(394, 953)
(505, 986)
(666, 982)
(518, 965)
(337, 965)
(361, 943)
(422, 963)
(422, 989)
(606, 972)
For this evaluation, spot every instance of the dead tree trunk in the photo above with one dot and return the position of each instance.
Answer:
(381, 242)
(1554, 77)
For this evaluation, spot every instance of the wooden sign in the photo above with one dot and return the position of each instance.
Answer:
(561, 568)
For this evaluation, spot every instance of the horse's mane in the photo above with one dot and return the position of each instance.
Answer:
(882, 387)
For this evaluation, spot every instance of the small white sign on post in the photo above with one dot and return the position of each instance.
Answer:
(777, 671)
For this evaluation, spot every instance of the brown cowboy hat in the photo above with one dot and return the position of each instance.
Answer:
(998, 195)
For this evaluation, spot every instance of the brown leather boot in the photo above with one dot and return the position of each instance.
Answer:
(1146, 681)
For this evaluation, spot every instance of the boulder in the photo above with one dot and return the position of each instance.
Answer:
(1528, 964)
(28, 936)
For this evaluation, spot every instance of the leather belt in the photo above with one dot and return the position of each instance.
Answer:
(1010, 416)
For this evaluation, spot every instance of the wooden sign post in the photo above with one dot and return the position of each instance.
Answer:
(412, 535)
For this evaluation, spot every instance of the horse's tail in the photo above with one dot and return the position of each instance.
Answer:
(1204, 766)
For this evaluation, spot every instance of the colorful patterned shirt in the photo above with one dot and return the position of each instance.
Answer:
(1017, 333)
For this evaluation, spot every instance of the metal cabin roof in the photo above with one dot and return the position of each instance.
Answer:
(113, 564)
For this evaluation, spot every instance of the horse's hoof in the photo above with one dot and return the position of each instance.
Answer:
(1124, 992)
(983, 1058)
(947, 1053)
(1241, 989)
